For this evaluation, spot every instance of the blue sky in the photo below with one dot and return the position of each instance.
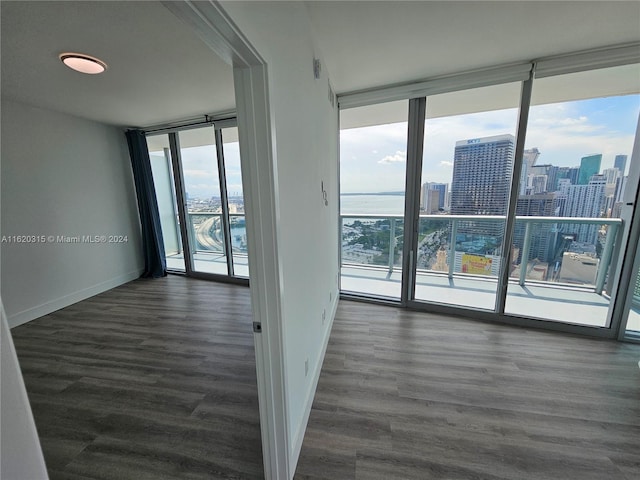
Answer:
(373, 159)
(200, 170)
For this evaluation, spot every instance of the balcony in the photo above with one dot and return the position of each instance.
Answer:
(209, 255)
(562, 279)
(571, 290)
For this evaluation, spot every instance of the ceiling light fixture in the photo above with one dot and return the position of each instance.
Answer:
(83, 63)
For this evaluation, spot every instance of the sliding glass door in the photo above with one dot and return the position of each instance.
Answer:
(235, 201)
(373, 150)
(200, 197)
(512, 200)
(467, 164)
(574, 174)
(161, 168)
(204, 209)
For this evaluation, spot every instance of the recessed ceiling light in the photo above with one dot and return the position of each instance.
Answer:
(83, 63)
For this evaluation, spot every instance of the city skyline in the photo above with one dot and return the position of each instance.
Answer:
(373, 159)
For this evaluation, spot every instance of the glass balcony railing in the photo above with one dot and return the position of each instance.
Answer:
(208, 247)
(207, 233)
(575, 252)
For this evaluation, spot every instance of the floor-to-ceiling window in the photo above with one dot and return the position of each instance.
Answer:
(198, 183)
(577, 152)
(235, 200)
(203, 199)
(513, 203)
(373, 150)
(161, 168)
(467, 164)
(632, 311)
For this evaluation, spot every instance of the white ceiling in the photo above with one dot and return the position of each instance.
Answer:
(159, 71)
(370, 43)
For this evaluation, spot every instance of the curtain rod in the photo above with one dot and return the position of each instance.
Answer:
(191, 123)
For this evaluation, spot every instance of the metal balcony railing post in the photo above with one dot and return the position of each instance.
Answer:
(524, 258)
(605, 259)
(392, 245)
(452, 246)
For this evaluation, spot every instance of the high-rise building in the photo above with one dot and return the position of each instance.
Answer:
(431, 201)
(589, 166)
(620, 162)
(482, 170)
(584, 201)
(620, 184)
(537, 184)
(611, 175)
(529, 158)
(550, 171)
(443, 195)
(568, 173)
(543, 237)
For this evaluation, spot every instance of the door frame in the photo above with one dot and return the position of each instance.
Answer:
(213, 25)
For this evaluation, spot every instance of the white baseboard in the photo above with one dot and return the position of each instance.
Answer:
(296, 444)
(58, 303)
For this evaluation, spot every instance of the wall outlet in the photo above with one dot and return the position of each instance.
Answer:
(306, 367)
(330, 297)
(324, 315)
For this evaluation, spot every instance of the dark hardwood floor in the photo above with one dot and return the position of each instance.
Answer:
(156, 380)
(152, 380)
(406, 395)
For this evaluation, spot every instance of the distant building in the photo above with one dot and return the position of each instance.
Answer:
(430, 201)
(537, 184)
(481, 175)
(584, 201)
(620, 184)
(612, 177)
(529, 158)
(543, 236)
(443, 196)
(589, 166)
(549, 171)
(482, 169)
(568, 173)
(620, 162)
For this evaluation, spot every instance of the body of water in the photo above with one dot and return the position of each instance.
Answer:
(372, 204)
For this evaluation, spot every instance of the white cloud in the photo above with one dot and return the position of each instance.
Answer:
(444, 163)
(398, 157)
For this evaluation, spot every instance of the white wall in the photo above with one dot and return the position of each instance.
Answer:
(305, 126)
(20, 452)
(63, 176)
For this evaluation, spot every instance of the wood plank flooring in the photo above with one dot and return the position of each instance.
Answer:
(152, 380)
(156, 380)
(405, 395)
